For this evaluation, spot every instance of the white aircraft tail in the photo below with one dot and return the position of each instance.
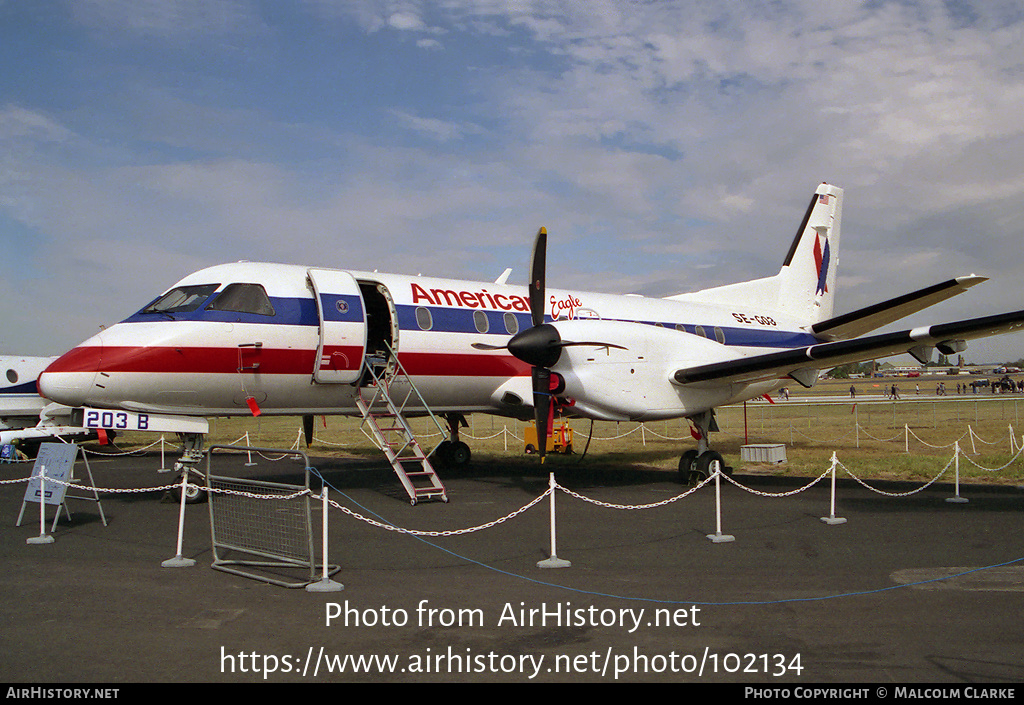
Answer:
(807, 280)
(805, 286)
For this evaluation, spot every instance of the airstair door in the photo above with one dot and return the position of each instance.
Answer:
(339, 305)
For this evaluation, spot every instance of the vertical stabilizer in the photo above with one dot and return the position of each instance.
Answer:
(807, 280)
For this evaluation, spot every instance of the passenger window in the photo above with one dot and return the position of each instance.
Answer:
(423, 318)
(243, 298)
(182, 299)
(511, 323)
(481, 322)
(720, 335)
(699, 330)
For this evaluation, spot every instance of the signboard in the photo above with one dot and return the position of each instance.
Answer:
(58, 459)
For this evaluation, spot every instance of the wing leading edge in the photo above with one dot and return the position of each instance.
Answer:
(797, 363)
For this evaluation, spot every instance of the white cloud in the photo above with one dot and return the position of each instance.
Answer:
(406, 21)
(694, 128)
(440, 130)
(17, 123)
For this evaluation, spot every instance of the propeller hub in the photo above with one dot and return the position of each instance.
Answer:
(539, 346)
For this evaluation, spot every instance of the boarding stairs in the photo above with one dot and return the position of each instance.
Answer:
(383, 396)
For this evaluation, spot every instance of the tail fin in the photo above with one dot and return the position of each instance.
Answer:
(807, 280)
(805, 286)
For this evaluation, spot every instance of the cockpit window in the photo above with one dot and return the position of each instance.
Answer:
(182, 299)
(243, 298)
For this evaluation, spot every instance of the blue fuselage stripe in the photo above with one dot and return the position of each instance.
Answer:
(303, 312)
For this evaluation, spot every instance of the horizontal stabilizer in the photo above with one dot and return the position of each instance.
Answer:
(827, 355)
(865, 320)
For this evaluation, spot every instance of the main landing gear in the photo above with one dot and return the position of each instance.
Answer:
(697, 465)
(453, 454)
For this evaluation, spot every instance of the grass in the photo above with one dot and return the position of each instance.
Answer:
(868, 434)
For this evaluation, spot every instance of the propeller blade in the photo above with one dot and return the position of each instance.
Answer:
(538, 264)
(593, 343)
(547, 345)
(307, 428)
(541, 407)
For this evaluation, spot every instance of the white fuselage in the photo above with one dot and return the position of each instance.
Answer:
(20, 403)
(304, 352)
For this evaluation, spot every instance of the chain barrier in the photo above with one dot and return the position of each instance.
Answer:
(548, 493)
(450, 532)
(641, 428)
(1001, 467)
(926, 443)
(565, 490)
(759, 493)
(120, 454)
(880, 440)
(793, 429)
(652, 505)
(863, 484)
(646, 430)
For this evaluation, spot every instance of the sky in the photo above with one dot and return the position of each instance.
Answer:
(667, 146)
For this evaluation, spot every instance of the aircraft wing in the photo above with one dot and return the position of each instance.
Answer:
(802, 363)
(851, 325)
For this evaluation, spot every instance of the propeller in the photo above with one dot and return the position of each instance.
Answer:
(540, 346)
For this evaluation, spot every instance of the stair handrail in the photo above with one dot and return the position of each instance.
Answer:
(413, 389)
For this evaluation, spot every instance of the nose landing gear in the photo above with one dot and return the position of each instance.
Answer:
(697, 465)
(192, 453)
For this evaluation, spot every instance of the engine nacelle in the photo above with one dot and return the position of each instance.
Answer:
(634, 383)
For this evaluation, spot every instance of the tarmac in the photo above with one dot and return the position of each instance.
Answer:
(910, 589)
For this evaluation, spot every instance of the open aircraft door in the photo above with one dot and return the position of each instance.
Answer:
(339, 305)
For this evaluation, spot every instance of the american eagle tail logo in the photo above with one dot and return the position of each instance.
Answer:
(821, 251)
(821, 257)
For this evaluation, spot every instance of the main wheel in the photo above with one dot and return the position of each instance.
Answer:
(686, 466)
(705, 464)
(459, 455)
(442, 454)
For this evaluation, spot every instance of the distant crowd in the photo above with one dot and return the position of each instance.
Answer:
(1006, 385)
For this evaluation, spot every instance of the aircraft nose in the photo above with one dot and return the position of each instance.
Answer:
(71, 377)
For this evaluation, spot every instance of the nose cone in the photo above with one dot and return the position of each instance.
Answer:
(71, 378)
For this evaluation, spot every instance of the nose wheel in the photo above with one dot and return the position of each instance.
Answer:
(192, 453)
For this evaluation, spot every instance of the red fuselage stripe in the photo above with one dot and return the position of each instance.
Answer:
(270, 361)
